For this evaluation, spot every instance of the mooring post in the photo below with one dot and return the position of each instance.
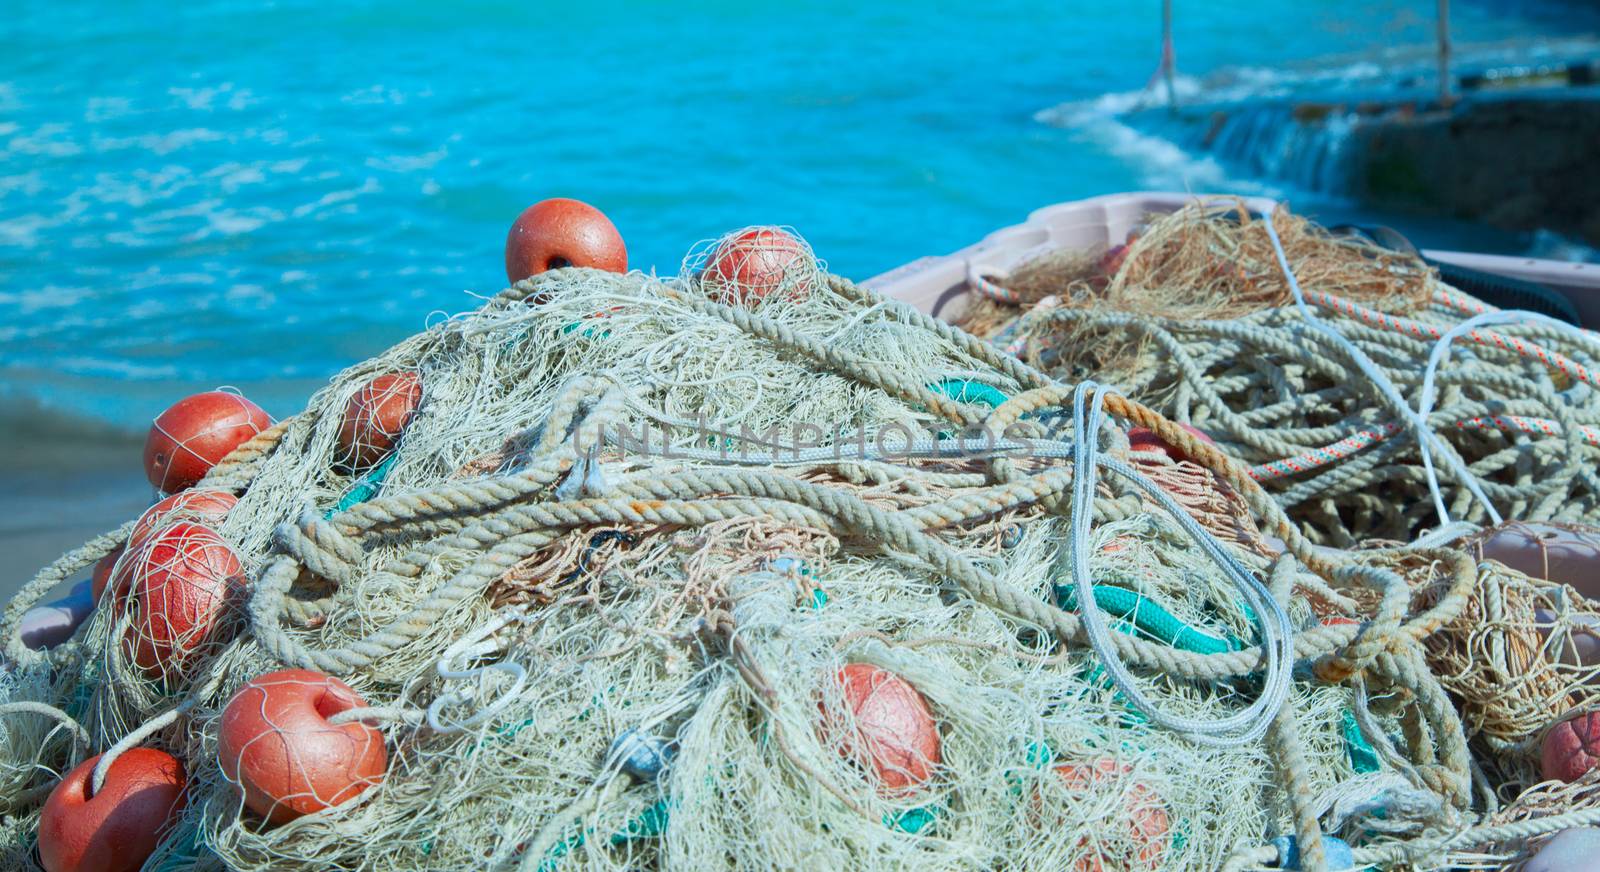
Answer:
(1169, 60)
(1445, 96)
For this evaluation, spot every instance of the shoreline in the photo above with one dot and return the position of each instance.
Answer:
(60, 488)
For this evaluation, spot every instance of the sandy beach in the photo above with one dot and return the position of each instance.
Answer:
(62, 482)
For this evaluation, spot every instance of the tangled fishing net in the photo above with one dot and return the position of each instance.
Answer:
(1323, 363)
(662, 575)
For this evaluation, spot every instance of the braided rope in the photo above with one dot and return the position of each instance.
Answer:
(501, 519)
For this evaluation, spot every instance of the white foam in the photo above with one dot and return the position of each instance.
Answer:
(1160, 162)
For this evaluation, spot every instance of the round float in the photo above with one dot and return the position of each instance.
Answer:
(887, 729)
(100, 579)
(194, 434)
(1571, 748)
(1579, 646)
(1572, 850)
(559, 232)
(1146, 820)
(375, 417)
(1562, 553)
(183, 580)
(118, 828)
(752, 264)
(207, 507)
(275, 742)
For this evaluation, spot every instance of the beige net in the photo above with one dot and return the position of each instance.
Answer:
(599, 605)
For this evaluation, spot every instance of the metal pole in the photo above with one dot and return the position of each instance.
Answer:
(1169, 60)
(1445, 97)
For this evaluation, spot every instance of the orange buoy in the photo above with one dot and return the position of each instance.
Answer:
(888, 730)
(751, 265)
(560, 232)
(1145, 439)
(194, 434)
(1111, 262)
(1572, 748)
(1146, 822)
(118, 828)
(184, 579)
(101, 577)
(375, 417)
(207, 507)
(275, 742)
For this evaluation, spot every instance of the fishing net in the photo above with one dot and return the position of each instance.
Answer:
(1199, 320)
(651, 580)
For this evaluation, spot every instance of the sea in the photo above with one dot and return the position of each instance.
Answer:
(256, 195)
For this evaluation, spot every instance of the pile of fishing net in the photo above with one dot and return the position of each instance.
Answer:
(1322, 362)
(664, 575)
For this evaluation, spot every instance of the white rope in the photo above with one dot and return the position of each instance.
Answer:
(80, 736)
(470, 647)
(1441, 350)
(1427, 439)
(1444, 535)
(145, 730)
(1277, 635)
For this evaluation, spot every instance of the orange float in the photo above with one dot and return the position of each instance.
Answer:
(275, 742)
(194, 434)
(751, 265)
(888, 730)
(1145, 439)
(1111, 262)
(375, 417)
(206, 507)
(559, 232)
(118, 828)
(1572, 748)
(1146, 820)
(101, 577)
(184, 579)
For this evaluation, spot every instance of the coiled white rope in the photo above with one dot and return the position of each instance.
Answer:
(1427, 439)
(1441, 350)
(468, 648)
(1277, 635)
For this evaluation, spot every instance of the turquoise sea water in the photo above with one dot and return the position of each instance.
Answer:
(224, 193)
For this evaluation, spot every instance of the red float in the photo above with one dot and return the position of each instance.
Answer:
(101, 577)
(752, 264)
(375, 417)
(207, 507)
(560, 232)
(1111, 263)
(184, 579)
(194, 434)
(1146, 823)
(118, 828)
(1572, 748)
(275, 742)
(1145, 439)
(888, 731)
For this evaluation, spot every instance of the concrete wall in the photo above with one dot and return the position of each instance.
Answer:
(1518, 164)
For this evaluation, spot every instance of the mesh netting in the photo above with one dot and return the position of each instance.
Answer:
(1199, 321)
(598, 606)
